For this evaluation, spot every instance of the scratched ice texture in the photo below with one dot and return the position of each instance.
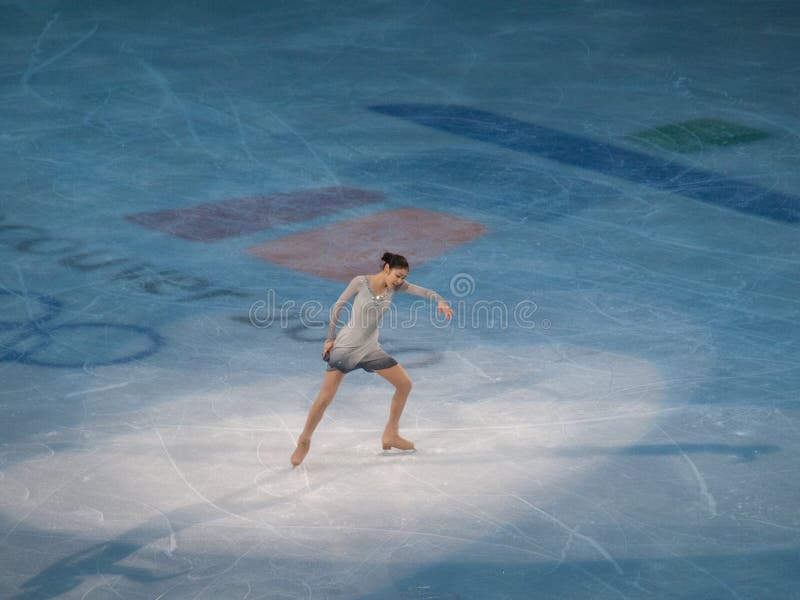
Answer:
(613, 413)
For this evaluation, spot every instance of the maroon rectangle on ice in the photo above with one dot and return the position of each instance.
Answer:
(218, 220)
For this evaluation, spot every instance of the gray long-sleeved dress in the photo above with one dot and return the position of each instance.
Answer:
(356, 344)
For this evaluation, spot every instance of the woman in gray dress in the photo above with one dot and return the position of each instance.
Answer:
(356, 346)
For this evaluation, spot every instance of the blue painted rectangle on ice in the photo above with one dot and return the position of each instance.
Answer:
(603, 157)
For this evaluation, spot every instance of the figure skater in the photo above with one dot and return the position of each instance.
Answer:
(356, 346)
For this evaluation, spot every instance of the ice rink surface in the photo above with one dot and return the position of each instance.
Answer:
(607, 193)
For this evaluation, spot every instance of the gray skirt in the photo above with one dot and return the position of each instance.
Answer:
(347, 359)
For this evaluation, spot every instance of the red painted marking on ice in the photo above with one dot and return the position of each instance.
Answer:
(349, 248)
(218, 220)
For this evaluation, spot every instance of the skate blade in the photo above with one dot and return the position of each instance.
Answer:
(397, 452)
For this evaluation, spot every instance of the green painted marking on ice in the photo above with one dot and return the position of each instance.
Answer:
(696, 134)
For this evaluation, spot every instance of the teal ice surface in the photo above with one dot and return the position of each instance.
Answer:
(611, 413)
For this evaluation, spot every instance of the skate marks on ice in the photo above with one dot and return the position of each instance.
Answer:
(208, 476)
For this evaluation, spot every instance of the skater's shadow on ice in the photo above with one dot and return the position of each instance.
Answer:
(107, 557)
(439, 456)
(744, 453)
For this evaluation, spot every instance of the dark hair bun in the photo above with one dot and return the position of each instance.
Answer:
(395, 261)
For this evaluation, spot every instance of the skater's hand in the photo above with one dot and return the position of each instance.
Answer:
(444, 308)
(326, 349)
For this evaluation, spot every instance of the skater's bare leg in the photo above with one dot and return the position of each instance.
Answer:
(398, 377)
(324, 398)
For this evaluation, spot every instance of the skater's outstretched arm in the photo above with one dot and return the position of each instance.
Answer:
(418, 290)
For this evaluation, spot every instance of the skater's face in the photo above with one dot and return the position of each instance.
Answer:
(395, 277)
